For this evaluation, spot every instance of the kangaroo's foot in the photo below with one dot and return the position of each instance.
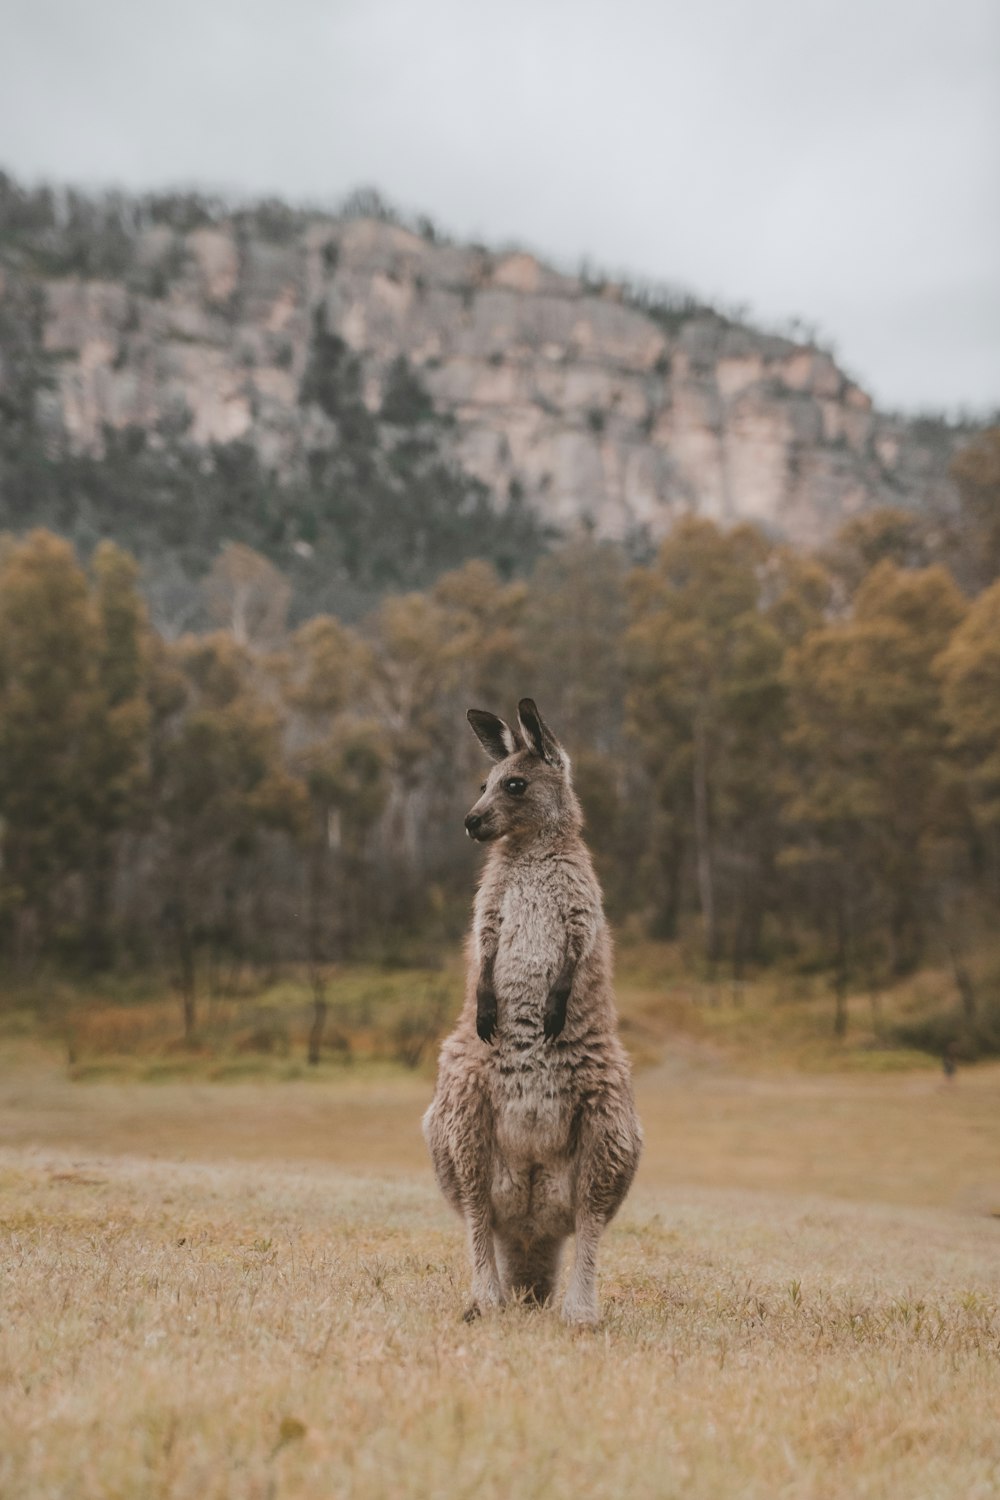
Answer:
(487, 1296)
(581, 1311)
(476, 1308)
(580, 1302)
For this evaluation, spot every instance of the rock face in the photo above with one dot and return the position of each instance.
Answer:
(572, 397)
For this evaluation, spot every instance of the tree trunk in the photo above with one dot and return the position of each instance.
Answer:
(319, 1018)
(703, 853)
(316, 887)
(840, 1006)
(187, 984)
(904, 936)
(99, 948)
(665, 922)
(963, 979)
(841, 974)
(185, 961)
(741, 924)
(950, 915)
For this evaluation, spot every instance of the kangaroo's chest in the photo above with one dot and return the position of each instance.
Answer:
(530, 1076)
(532, 938)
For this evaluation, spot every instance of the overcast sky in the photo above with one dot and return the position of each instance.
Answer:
(836, 160)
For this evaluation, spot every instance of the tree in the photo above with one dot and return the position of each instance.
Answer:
(248, 596)
(574, 622)
(338, 752)
(869, 795)
(976, 471)
(969, 670)
(68, 746)
(118, 773)
(886, 534)
(705, 702)
(575, 618)
(796, 593)
(219, 782)
(486, 626)
(405, 401)
(434, 656)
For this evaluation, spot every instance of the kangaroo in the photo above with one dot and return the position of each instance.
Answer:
(533, 1130)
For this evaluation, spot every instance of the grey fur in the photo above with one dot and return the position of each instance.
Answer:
(533, 1131)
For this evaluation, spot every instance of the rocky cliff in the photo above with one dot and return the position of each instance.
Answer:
(568, 396)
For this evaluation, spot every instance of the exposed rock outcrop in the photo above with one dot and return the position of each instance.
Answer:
(571, 396)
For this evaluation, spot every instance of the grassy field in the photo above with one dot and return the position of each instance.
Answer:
(251, 1288)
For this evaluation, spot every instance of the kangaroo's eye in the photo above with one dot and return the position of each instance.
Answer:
(516, 785)
(483, 787)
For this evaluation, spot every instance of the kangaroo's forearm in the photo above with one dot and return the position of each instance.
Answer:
(488, 936)
(486, 998)
(579, 925)
(580, 928)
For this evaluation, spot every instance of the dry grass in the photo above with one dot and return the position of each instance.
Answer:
(255, 1027)
(231, 1331)
(901, 1138)
(782, 1019)
(201, 1300)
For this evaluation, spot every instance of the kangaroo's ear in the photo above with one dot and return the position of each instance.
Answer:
(496, 737)
(539, 737)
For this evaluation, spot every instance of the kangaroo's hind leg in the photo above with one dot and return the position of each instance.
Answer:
(444, 1168)
(459, 1129)
(610, 1141)
(487, 1290)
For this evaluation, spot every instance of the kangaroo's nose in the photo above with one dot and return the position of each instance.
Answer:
(472, 822)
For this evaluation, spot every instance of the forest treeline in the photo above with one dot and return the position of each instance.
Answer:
(781, 757)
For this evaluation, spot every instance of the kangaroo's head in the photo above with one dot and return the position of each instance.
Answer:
(528, 792)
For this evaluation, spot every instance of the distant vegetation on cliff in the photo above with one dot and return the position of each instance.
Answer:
(382, 506)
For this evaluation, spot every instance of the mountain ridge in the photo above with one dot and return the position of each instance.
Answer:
(575, 399)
